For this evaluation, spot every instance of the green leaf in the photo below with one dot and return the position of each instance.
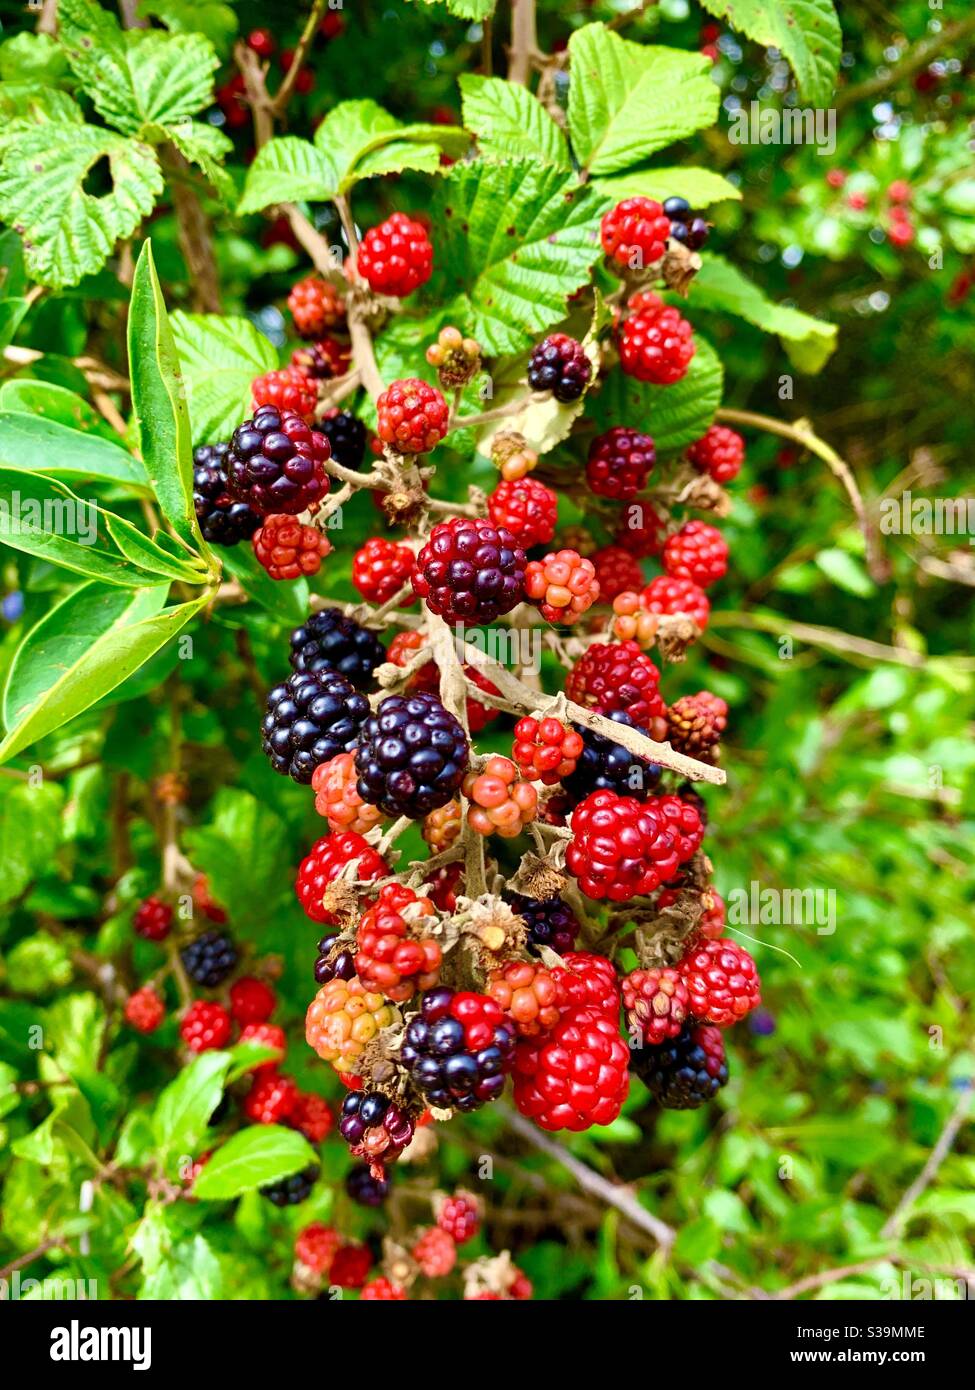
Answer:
(287, 169)
(674, 415)
(210, 17)
(508, 120)
(219, 358)
(188, 1272)
(720, 285)
(59, 690)
(846, 572)
(159, 402)
(355, 131)
(518, 239)
(37, 965)
(252, 1158)
(12, 312)
(207, 148)
(627, 100)
(43, 445)
(27, 396)
(807, 32)
(30, 829)
(286, 599)
(25, 103)
(701, 187)
(184, 1108)
(244, 853)
(33, 58)
(135, 77)
(149, 554)
(67, 232)
(40, 515)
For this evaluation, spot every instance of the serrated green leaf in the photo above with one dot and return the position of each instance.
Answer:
(33, 58)
(30, 829)
(508, 120)
(807, 32)
(627, 100)
(207, 148)
(287, 169)
(674, 415)
(355, 131)
(39, 516)
(48, 447)
(136, 77)
(219, 358)
(110, 657)
(720, 285)
(159, 402)
(518, 240)
(701, 187)
(185, 1106)
(252, 1158)
(210, 17)
(67, 232)
(25, 103)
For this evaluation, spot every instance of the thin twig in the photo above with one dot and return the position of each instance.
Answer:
(935, 1159)
(279, 102)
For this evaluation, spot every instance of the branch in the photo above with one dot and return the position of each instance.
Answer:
(843, 643)
(936, 1157)
(195, 237)
(279, 102)
(801, 432)
(524, 41)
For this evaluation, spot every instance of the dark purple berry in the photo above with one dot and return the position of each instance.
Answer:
(331, 641)
(276, 463)
(412, 755)
(559, 364)
(311, 717)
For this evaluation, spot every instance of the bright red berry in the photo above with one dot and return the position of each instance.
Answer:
(619, 463)
(527, 508)
(460, 1217)
(671, 596)
(262, 42)
(251, 1000)
(380, 1289)
(575, 1076)
(412, 416)
(722, 981)
(381, 568)
(656, 344)
(316, 306)
(616, 572)
(204, 1026)
(634, 233)
(204, 903)
(396, 257)
(618, 676)
(312, 1115)
(325, 861)
(585, 980)
(720, 452)
(287, 389)
(144, 1010)
(350, 1267)
(287, 549)
(656, 1003)
(697, 552)
(563, 585)
(470, 571)
(899, 191)
(317, 1246)
(545, 749)
(435, 1252)
(622, 848)
(153, 919)
(271, 1099)
(396, 955)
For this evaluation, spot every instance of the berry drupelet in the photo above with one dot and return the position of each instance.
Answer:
(331, 641)
(276, 463)
(559, 364)
(458, 1049)
(223, 521)
(209, 959)
(310, 718)
(412, 755)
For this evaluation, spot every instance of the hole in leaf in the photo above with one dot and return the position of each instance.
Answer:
(98, 178)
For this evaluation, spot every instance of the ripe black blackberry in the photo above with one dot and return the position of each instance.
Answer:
(458, 1049)
(550, 921)
(276, 463)
(223, 521)
(311, 717)
(329, 967)
(365, 1188)
(346, 436)
(686, 226)
(604, 764)
(209, 958)
(684, 1072)
(412, 755)
(290, 1191)
(559, 364)
(331, 641)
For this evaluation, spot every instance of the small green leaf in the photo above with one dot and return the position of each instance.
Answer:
(47, 692)
(187, 1272)
(508, 120)
(184, 1108)
(252, 1158)
(287, 169)
(206, 147)
(354, 132)
(627, 100)
(720, 285)
(807, 32)
(30, 829)
(219, 358)
(159, 401)
(47, 446)
(701, 187)
(150, 556)
(846, 571)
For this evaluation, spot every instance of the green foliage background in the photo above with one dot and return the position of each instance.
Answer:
(850, 765)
